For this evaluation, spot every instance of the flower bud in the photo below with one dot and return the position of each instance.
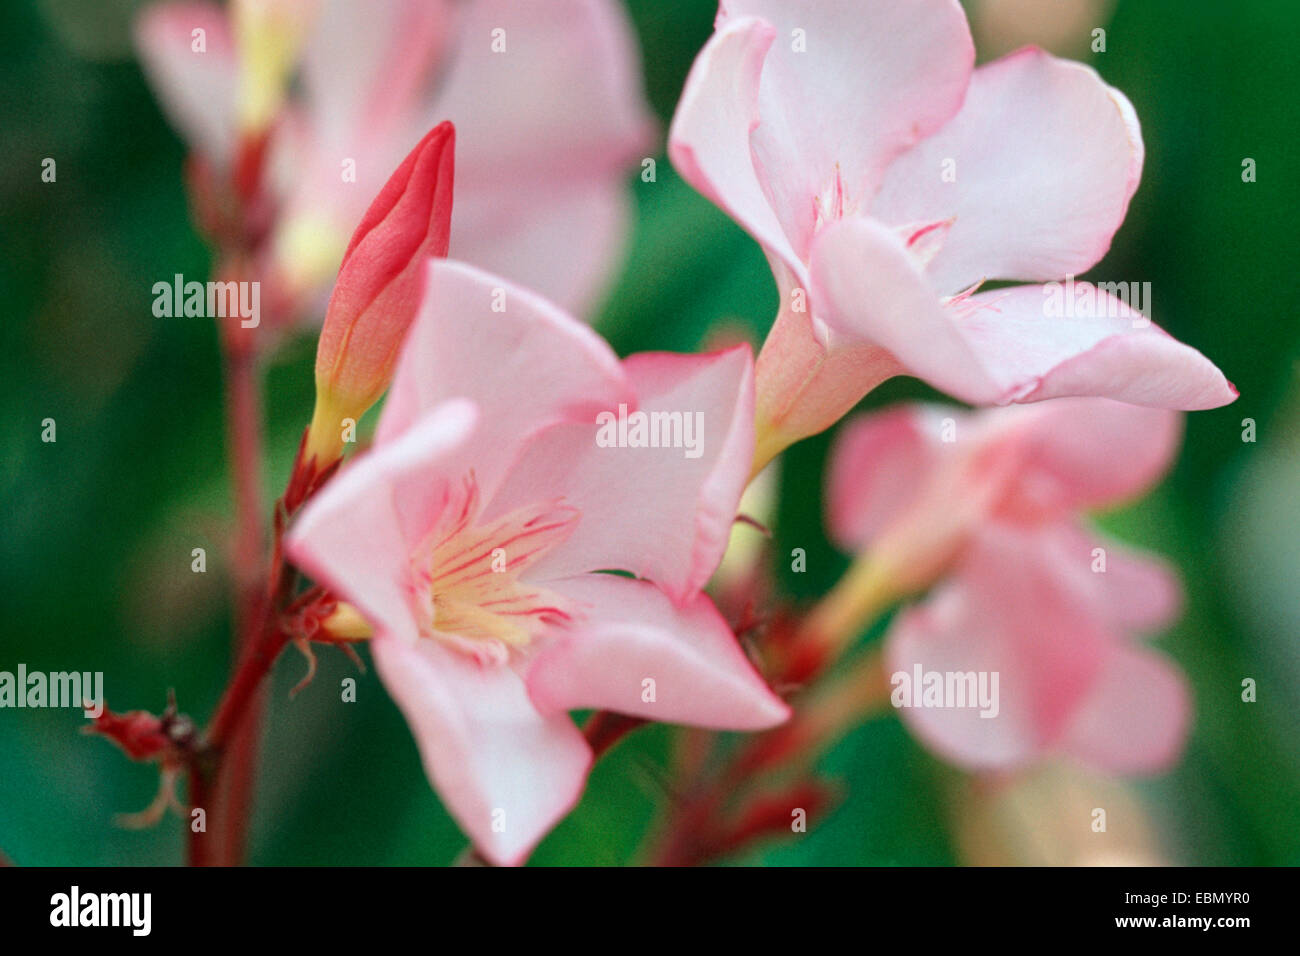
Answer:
(378, 290)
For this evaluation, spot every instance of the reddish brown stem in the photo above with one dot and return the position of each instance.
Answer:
(229, 801)
(233, 718)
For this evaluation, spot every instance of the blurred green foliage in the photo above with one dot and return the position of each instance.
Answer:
(98, 527)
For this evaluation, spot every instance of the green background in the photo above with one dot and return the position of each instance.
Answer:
(98, 527)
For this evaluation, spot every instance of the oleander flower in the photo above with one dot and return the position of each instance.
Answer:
(887, 180)
(990, 505)
(545, 97)
(474, 534)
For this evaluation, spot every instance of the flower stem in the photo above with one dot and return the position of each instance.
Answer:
(234, 718)
(229, 804)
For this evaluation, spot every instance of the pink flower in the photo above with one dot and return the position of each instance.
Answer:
(470, 537)
(1032, 595)
(887, 180)
(549, 113)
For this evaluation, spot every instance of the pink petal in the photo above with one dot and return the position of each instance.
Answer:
(1138, 593)
(562, 103)
(547, 134)
(356, 535)
(1083, 454)
(709, 139)
(878, 467)
(872, 80)
(197, 90)
(1015, 610)
(505, 773)
(1136, 718)
(1047, 157)
(526, 365)
(564, 239)
(942, 636)
(633, 633)
(1003, 346)
(1144, 593)
(365, 69)
(653, 511)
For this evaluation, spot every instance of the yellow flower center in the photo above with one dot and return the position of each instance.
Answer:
(467, 575)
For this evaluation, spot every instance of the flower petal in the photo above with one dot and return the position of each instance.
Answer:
(196, 88)
(516, 232)
(1003, 346)
(505, 772)
(1084, 454)
(356, 535)
(1139, 593)
(524, 363)
(632, 633)
(1015, 611)
(1045, 156)
(879, 464)
(846, 87)
(1136, 717)
(709, 138)
(663, 513)
(365, 69)
(559, 99)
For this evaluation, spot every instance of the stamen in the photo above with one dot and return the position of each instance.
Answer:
(467, 575)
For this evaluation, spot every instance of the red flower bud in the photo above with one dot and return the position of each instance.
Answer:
(378, 290)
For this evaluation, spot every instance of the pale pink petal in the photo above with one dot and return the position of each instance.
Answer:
(635, 652)
(366, 68)
(196, 89)
(1136, 717)
(1003, 346)
(523, 362)
(1137, 592)
(879, 464)
(1143, 592)
(562, 101)
(1115, 354)
(1045, 157)
(855, 86)
(357, 534)
(564, 239)
(1091, 453)
(709, 139)
(944, 636)
(1014, 610)
(505, 773)
(547, 132)
(664, 513)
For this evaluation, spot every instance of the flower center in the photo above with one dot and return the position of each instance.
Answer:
(832, 204)
(467, 575)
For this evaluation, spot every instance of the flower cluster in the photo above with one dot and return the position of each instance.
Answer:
(535, 525)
